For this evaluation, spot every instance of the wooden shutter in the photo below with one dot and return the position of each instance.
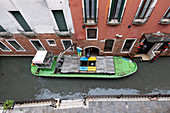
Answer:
(60, 20)
(21, 20)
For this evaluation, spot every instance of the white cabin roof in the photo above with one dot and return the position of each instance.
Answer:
(39, 57)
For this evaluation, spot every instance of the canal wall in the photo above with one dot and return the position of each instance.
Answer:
(95, 104)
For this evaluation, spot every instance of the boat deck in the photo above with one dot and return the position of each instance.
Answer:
(96, 64)
(122, 68)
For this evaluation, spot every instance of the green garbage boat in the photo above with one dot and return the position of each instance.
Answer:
(45, 64)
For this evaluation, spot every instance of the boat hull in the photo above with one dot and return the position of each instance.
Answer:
(123, 68)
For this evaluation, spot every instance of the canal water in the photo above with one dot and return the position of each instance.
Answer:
(17, 82)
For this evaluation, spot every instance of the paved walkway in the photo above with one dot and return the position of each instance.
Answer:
(102, 105)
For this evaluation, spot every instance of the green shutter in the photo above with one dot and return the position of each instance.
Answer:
(111, 10)
(95, 9)
(121, 10)
(60, 20)
(21, 20)
(2, 29)
(85, 11)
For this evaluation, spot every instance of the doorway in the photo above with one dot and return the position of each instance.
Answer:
(94, 51)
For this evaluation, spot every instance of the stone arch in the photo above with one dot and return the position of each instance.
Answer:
(94, 50)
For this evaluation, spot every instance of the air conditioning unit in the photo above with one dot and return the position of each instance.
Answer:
(164, 21)
(6, 34)
(138, 21)
(113, 22)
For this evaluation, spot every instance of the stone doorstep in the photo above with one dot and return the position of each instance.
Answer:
(65, 104)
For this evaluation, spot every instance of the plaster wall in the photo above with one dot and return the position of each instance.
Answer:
(37, 14)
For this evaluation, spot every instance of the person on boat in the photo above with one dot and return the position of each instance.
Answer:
(88, 53)
(79, 49)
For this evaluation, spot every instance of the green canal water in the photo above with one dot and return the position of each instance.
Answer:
(17, 82)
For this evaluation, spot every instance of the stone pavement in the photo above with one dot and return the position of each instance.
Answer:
(102, 105)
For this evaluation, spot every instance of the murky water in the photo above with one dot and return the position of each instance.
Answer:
(17, 82)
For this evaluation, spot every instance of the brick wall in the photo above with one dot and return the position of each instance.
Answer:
(30, 50)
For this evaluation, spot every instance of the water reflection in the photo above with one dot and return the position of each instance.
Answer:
(17, 82)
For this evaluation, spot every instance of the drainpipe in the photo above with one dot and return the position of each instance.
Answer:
(155, 57)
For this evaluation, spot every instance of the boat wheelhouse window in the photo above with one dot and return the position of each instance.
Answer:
(67, 44)
(51, 42)
(2, 29)
(128, 44)
(60, 20)
(108, 45)
(116, 10)
(21, 20)
(91, 34)
(90, 11)
(15, 45)
(143, 13)
(3, 47)
(37, 44)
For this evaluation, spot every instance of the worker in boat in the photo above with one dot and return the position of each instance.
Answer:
(88, 53)
(79, 49)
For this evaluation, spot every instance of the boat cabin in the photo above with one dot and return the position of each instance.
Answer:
(43, 59)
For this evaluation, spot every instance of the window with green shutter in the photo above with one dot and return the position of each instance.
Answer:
(116, 9)
(2, 29)
(90, 10)
(60, 20)
(21, 20)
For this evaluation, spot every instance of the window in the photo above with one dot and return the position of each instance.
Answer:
(144, 11)
(91, 33)
(90, 11)
(116, 11)
(127, 46)
(15, 45)
(166, 17)
(2, 29)
(3, 47)
(60, 20)
(21, 20)
(67, 43)
(109, 45)
(37, 44)
(51, 42)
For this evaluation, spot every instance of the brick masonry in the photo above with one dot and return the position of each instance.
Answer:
(30, 50)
